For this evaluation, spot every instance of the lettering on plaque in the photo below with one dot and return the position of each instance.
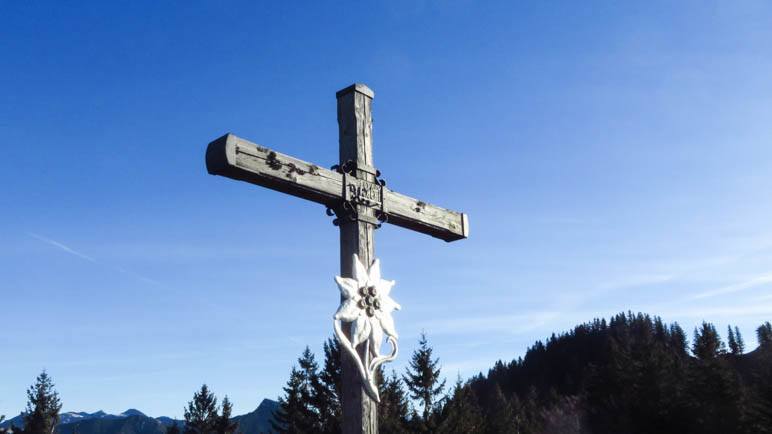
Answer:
(363, 192)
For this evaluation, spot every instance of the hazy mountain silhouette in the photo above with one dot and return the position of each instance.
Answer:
(133, 421)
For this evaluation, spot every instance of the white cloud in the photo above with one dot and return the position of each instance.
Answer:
(709, 312)
(83, 256)
(759, 280)
(61, 246)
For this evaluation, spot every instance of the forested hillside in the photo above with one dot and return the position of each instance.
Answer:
(636, 374)
(632, 374)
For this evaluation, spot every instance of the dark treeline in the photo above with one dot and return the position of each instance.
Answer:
(632, 374)
(636, 374)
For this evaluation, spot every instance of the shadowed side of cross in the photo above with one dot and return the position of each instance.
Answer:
(353, 191)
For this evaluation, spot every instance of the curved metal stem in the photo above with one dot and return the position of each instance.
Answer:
(346, 343)
(368, 374)
(378, 361)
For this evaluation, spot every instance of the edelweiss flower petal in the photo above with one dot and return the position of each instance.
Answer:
(360, 330)
(376, 337)
(384, 287)
(348, 311)
(348, 287)
(374, 276)
(360, 271)
(388, 304)
(387, 322)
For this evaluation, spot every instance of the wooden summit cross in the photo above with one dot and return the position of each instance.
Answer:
(360, 201)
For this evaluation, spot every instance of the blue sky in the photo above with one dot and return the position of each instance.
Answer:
(611, 156)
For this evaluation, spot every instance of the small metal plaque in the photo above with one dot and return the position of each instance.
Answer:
(363, 192)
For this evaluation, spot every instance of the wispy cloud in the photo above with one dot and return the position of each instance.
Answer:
(137, 276)
(759, 280)
(65, 248)
(706, 312)
(61, 246)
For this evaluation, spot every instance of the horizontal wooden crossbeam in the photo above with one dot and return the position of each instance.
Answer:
(236, 158)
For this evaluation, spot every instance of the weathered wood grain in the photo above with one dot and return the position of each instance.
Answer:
(236, 158)
(360, 412)
(426, 218)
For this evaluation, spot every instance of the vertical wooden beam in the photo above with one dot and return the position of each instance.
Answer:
(355, 128)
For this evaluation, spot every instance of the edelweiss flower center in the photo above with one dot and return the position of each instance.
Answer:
(370, 302)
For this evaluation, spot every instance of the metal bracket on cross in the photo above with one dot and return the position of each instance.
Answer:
(357, 191)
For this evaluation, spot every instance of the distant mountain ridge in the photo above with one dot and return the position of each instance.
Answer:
(133, 421)
(79, 416)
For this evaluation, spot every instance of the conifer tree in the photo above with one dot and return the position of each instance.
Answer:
(734, 349)
(678, 339)
(330, 412)
(716, 397)
(43, 405)
(201, 414)
(173, 429)
(414, 422)
(716, 403)
(764, 334)
(462, 414)
(393, 409)
(294, 415)
(761, 409)
(224, 424)
(501, 417)
(312, 393)
(660, 331)
(422, 378)
(739, 339)
(707, 343)
(527, 417)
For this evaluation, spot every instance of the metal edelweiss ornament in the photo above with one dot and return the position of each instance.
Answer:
(367, 306)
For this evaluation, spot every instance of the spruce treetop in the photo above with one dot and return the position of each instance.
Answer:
(43, 406)
(707, 342)
(201, 413)
(422, 377)
(764, 335)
